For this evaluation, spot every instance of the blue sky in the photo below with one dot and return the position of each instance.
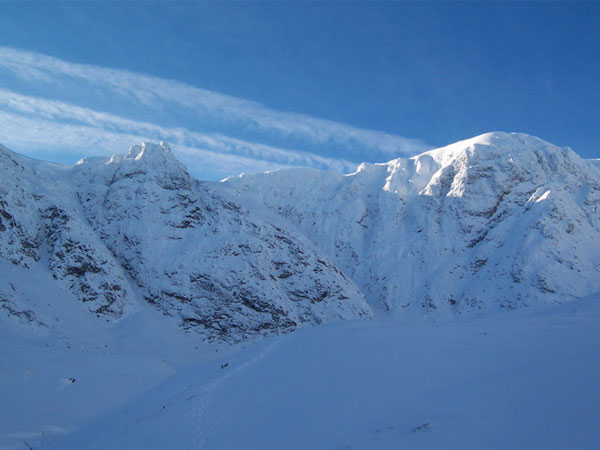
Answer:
(254, 86)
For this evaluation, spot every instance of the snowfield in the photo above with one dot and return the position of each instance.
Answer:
(448, 300)
(518, 380)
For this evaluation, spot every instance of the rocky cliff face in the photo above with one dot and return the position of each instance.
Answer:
(496, 222)
(43, 228)
(138, 228)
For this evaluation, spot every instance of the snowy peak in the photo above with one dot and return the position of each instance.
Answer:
(490, 158)
(149, 156)
(151, 153)
(148, 162)
(492, 145)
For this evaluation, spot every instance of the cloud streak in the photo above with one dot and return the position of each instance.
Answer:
(44, 139)
(152, 92)
(40, 125)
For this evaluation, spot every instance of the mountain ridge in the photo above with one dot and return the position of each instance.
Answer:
(499, 221)
(455, 197)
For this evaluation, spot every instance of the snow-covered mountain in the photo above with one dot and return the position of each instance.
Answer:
(497, 221)
(129, 290)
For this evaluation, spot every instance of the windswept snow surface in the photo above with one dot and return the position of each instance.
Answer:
(520, 380)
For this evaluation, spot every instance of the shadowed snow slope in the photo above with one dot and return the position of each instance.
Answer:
(518, 381)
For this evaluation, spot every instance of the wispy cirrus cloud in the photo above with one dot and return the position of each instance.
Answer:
(45, 138)
(52, 124)
(106, 103)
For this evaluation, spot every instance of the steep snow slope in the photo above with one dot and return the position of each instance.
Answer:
(120, 232)
(521, 380)
(497, 221)
(42, 228)
(61, 366)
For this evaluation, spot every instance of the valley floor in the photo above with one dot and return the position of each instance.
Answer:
(520, 380)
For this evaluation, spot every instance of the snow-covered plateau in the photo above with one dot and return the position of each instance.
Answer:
(457, 295)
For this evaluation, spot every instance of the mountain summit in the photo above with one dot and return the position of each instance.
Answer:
(499, 221)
